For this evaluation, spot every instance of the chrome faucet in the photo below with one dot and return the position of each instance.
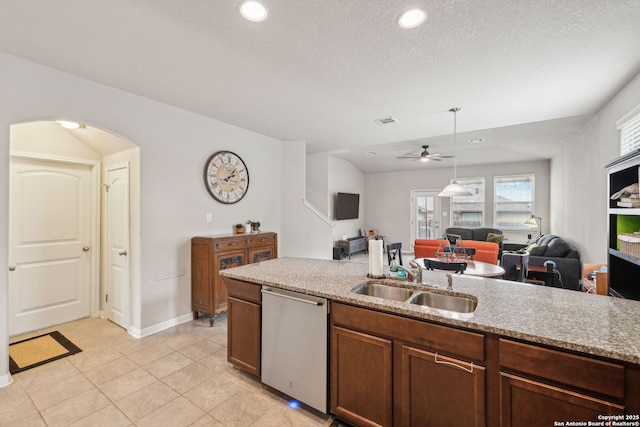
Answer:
(416, 273)
(449, 282)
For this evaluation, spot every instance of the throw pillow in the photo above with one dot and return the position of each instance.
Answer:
(531, 246)
(558, 248)
(495, 238)
(538, 250)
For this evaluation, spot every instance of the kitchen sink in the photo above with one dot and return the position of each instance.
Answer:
(455, 303)
(376, 289)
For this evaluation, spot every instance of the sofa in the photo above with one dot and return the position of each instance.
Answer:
(427, 248)
(481, 238)
(483, 251)
(548, 247)
(480, 234)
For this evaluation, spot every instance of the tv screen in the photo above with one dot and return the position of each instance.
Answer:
(347, 206)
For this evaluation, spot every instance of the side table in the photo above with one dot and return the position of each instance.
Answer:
(353, 245)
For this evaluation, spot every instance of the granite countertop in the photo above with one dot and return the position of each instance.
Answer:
(587, 323)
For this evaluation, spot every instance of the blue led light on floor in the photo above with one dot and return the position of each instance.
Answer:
(294, 404)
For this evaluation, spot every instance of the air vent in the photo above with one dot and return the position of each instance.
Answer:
(387, 121)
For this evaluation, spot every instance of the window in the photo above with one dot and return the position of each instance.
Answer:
(513, 201)
(468, 211)
(629, 127)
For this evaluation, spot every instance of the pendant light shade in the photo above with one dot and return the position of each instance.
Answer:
(454, 189)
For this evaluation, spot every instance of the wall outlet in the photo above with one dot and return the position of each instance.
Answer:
(209, 217)
(529, 236)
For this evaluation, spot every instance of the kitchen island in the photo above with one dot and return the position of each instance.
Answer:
(525, 348)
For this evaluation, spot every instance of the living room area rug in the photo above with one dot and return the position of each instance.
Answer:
(36, 351)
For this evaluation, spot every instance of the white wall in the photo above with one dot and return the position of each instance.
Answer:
(388, 201)
(579, 181)
(317, 181)
(51, 139)
(174, 144)
(304, 233)
(344, 177)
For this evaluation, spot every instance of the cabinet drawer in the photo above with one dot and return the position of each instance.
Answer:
(429, 335)
(262, 240)
(243, 290)
(231, 244)
(577, 371)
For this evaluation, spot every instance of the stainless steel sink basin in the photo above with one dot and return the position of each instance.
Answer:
(379, 290)
(458, 304)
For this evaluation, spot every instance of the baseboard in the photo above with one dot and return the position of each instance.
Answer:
(5, 380)
(141, 333)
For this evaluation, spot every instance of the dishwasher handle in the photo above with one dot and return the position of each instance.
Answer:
(278, 294)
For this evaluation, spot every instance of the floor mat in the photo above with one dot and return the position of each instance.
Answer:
(39, 350)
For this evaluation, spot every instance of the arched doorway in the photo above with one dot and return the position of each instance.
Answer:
(67, 232)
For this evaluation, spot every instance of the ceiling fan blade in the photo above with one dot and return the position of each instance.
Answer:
(407, 157)
(435, 159)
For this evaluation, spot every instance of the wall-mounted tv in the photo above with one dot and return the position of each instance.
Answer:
(347, 206)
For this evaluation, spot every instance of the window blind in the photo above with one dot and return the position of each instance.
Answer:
(630, 131)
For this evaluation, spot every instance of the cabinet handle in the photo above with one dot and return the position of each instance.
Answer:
(233, 243)
(455, 365)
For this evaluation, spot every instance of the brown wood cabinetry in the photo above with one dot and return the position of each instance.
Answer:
(243, 332)
(210, 254)
(361, 374)
(390, 370)
(547, 385)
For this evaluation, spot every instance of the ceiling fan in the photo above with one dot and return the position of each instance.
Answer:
(425, 156)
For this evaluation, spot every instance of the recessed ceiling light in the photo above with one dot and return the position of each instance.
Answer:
(412, 18)
(253, 11)
(476, 141)
(69, 125)
(371, 153)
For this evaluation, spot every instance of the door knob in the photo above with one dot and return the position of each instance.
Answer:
(123, 253)
(85, 248)
(12, 268)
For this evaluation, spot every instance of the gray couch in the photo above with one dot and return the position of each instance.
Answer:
(478, 234)
(549, 248)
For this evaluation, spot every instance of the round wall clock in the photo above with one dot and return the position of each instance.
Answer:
(226, 177)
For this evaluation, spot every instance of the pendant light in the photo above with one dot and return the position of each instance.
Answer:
(454, 189)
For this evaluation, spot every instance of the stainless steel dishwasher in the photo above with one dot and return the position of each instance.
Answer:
(294, 345)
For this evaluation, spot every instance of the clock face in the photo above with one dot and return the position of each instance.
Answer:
(226, 177)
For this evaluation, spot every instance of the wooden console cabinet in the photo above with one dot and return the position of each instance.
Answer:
(210, 254)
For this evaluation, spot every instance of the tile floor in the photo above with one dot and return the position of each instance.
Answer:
(178, 377)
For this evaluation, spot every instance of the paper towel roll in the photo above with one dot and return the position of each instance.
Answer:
(375, 258)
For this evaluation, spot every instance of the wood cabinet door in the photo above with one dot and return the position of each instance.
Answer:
(243, 347)
(440, 391)
(361, 378)
(262, 253)
(525, 401)
(222, 261)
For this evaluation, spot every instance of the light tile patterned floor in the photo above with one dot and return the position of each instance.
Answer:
(178, 377)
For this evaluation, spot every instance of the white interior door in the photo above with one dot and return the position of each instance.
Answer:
(425, 215)
(117, 244)
(51, 217)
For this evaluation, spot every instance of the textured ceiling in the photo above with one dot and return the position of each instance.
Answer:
(322, 71)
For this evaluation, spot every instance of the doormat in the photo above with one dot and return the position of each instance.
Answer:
(36, 351)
